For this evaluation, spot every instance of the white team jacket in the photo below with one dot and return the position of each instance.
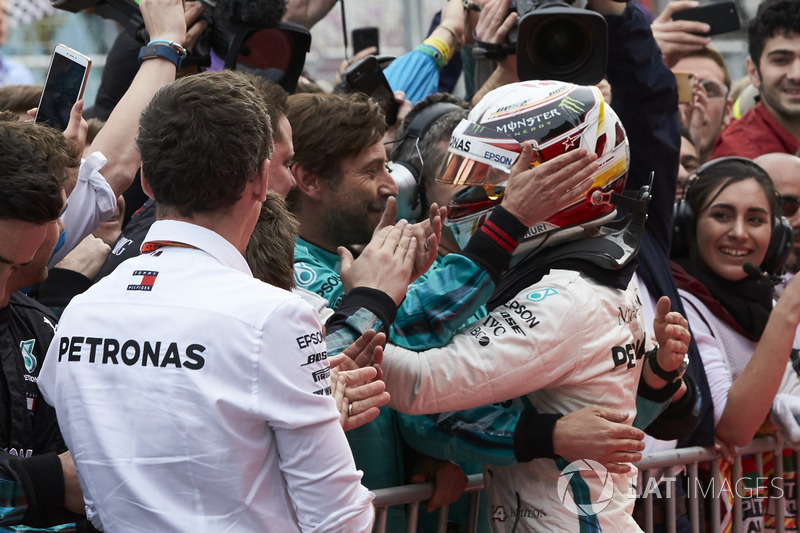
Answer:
(196, 398)
(565, 343)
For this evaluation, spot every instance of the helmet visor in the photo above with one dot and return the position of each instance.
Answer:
(478, 155)
(460, 170)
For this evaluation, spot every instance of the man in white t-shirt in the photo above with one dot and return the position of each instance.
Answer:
(193, 396)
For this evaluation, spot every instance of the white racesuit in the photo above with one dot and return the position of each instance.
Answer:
(196, 398)
(565, 343)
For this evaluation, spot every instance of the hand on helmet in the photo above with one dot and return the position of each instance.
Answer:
(534, 194)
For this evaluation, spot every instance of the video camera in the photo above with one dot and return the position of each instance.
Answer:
(555, 41)
(245, 35)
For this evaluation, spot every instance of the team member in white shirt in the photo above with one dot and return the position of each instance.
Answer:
(193, 396)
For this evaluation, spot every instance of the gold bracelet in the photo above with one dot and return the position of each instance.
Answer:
(452, 32)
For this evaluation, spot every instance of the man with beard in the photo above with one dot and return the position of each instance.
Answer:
(342, 194)
(342, 189)
(774, 69)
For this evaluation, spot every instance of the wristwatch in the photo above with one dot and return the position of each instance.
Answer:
(163, 51)
(669, 377)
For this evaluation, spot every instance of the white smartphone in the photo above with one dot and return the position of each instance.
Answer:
(66, 80)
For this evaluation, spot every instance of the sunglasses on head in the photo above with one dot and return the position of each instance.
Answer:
(789, 204)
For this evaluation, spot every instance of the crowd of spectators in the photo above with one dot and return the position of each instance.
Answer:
(229, 307)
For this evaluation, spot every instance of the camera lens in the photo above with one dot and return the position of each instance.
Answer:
(561, 45)
(559, 42)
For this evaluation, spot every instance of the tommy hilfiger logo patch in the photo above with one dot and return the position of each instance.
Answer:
(147, 281)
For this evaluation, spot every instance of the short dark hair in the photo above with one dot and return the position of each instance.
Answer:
(275, 100)
(328, 128)
(774, 17)
(723, 173)
(202, 138)
(428, 148)
(270, 251)
(19, 98)
(709, 52)
(34, 161)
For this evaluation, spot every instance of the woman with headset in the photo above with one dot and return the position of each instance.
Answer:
(728, 232)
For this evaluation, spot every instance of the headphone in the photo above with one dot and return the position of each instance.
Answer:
(410, 193)
(780, 242)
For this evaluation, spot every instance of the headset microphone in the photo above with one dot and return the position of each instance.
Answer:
(754, 272)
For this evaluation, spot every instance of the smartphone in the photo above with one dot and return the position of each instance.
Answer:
(367, 77)
(686, 81)
(64, 85)
(364, 38)
(722, 17)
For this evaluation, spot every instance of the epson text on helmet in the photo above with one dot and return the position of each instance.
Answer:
(503, 160)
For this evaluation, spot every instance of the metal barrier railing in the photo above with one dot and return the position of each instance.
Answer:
(659, 463)
(412, 495)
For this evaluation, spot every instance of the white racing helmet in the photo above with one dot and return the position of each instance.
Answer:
(555, 117)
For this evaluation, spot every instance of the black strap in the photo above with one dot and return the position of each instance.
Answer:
(495, 52)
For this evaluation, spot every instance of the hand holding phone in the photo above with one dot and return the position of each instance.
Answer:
(364, 38)
(722, 17)
(64, 85)
(367, 77)
(686, 82)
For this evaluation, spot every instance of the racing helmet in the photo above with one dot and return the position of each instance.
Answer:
(555, 117)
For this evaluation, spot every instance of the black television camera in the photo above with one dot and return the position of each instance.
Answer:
(244, 35)
(555, 41)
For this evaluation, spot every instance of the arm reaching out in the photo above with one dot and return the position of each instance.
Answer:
(359, 396)
(165, 20)
(600, 434)
(307, 13)
(678, 37)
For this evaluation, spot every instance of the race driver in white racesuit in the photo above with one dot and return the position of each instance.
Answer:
(565, 327)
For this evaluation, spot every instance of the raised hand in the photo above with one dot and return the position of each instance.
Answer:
(677, 38)
(367, 350)
(386, 263)
(494, 22)
(671, 331)
(428, 233)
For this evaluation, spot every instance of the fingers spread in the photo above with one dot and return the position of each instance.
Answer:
(360, 350)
